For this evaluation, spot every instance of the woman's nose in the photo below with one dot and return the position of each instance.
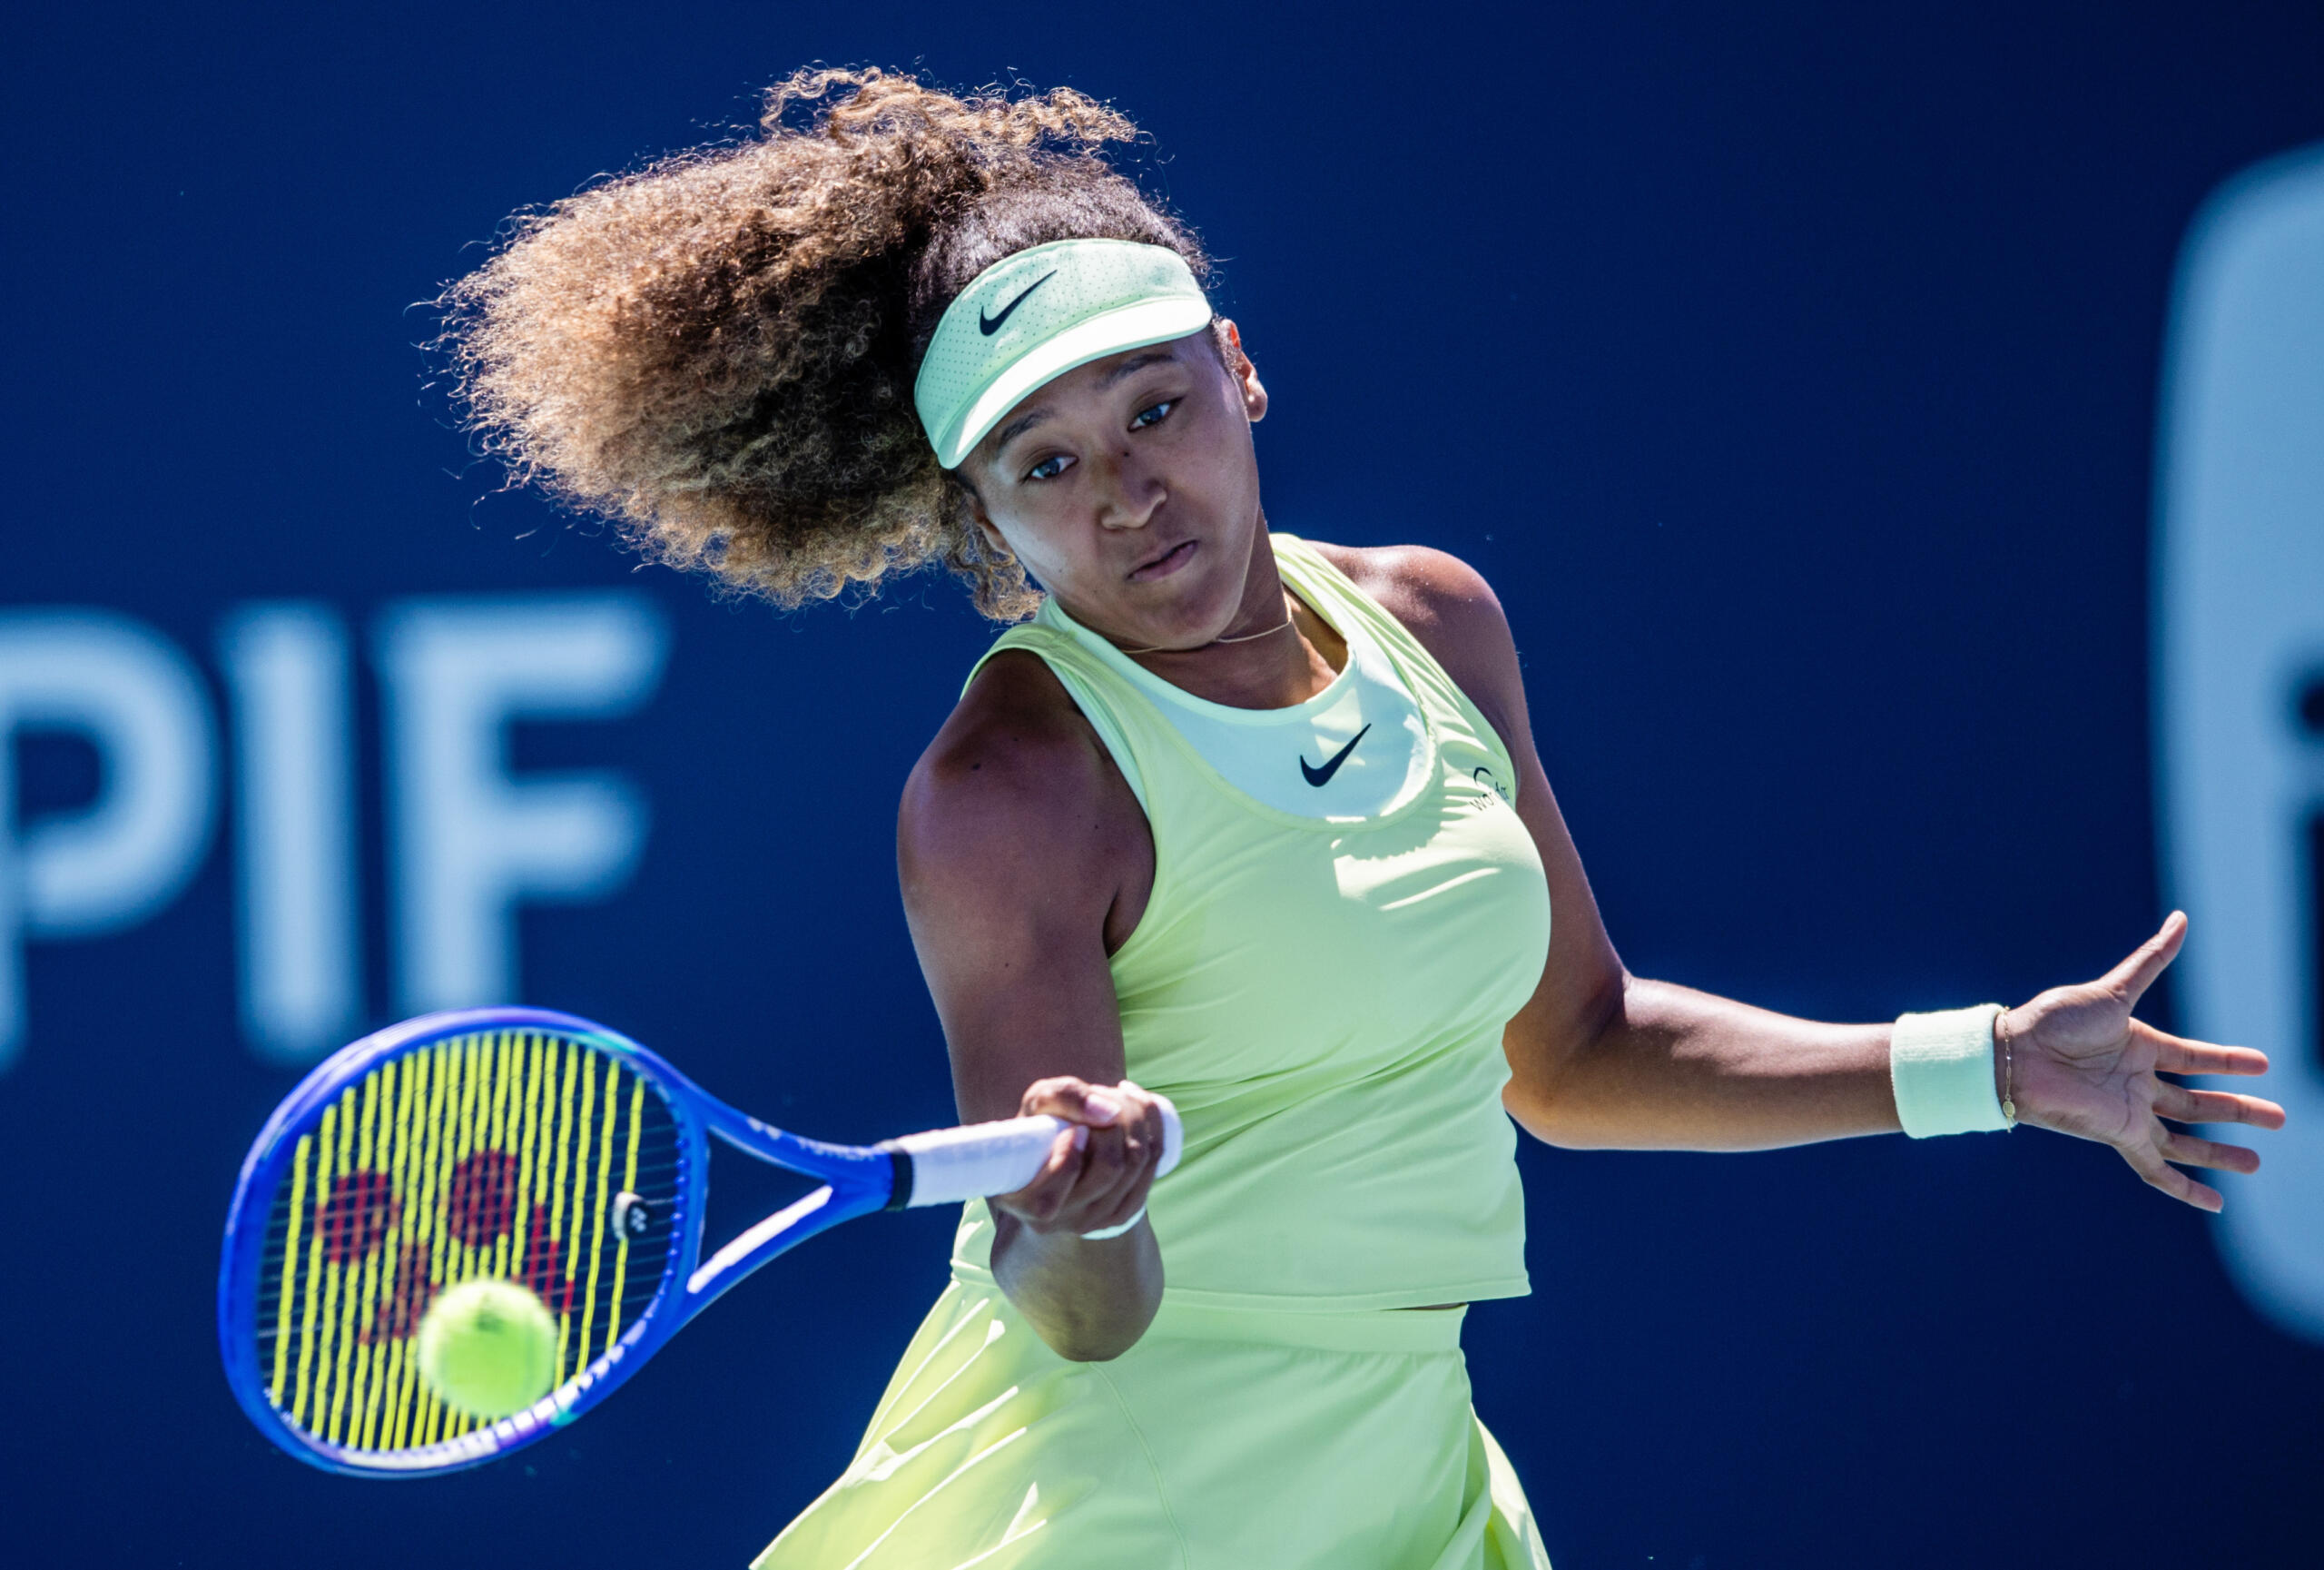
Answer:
(1128, 496)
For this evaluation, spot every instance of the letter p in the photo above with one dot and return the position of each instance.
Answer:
(99, 868)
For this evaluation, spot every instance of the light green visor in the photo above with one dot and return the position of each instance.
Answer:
(1031, 317)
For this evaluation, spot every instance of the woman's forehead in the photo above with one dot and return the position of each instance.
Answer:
(1085, 383)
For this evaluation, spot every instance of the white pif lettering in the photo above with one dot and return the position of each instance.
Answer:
(469, 842)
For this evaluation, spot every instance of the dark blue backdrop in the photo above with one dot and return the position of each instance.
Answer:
(1792, 370)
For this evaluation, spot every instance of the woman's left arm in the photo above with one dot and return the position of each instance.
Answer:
(1601, 1058)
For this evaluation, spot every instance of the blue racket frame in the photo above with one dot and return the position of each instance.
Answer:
(857, 1180)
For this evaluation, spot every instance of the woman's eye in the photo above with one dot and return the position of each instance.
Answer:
(1049, 467)
(1155, 415)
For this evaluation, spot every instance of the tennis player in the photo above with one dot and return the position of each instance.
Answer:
(1248, 819)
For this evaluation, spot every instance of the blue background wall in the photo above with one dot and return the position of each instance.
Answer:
(1793, 373)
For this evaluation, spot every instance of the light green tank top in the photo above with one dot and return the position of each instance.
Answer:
(1322, 997)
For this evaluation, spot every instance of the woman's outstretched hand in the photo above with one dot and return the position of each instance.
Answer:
(2083, 1066)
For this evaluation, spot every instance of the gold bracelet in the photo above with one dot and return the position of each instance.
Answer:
(2008, 1071)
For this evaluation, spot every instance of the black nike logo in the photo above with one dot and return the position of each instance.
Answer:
(1322, 776)
(989, 325)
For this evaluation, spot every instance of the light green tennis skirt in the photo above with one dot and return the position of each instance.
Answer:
(1225, 1440)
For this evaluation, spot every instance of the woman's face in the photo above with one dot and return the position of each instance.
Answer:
(1129, 489)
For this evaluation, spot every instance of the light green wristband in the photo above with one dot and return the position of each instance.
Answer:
(1941, 1066)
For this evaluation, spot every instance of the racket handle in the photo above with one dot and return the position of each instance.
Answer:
(946, 1166)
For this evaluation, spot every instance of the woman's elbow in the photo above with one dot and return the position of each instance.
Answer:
(1550, 1118)
(1552, 1053)
(1094, 1338)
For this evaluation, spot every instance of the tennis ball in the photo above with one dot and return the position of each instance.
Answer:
(487, 1348)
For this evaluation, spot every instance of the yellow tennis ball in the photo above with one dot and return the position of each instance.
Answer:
(487, 1348)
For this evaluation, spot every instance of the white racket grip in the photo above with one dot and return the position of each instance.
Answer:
(950, 1165)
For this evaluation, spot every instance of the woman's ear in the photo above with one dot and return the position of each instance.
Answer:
(982, 521)
(1241, 371)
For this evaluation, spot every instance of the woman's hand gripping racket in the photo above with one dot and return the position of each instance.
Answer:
(532, 1146)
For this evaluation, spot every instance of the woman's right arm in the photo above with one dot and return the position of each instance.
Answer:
(1018, 845)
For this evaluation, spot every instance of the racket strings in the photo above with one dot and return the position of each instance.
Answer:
(497, 1154)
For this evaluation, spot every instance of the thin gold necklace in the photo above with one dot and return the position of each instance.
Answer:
(1239, 637)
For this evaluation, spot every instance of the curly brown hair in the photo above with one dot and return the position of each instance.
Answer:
(717, 352)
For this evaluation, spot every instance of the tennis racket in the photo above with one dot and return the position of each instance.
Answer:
(535, 1147)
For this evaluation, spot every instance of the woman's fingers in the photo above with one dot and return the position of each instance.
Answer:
(1099, 1169)
(2161, 1174)
(2177, 1055)
(1121, 1159)
(2130, 979)
(1051, 1188)
(2182, 1105)
(2158, 1163)
(1075, 1101)
(2193, 1150)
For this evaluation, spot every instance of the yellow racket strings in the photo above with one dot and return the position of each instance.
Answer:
(497, 1154)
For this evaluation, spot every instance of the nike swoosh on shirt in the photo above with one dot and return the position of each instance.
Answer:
(989, 325)
(1322, 776)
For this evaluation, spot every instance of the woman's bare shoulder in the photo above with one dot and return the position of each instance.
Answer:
(1016, 778)
(1014, 745)
(1444, 602)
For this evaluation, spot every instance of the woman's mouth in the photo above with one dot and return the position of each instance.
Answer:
(1163, 565)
